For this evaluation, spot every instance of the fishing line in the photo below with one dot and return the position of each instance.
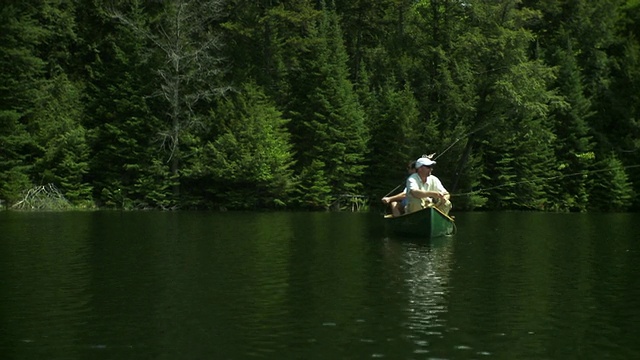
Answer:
(538, 180)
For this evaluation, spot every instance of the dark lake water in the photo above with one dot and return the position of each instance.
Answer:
(198, 285)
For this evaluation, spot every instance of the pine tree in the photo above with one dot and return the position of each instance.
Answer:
(266, 40)
(513, 101)
(395, 139)
(38, 102)
(327, 124)
(248, 163)
(127, 170)
(574, 149)
(619, 128)
(580, 37)
(366, 30)
(21, 88)
(63, 142)
(186, 37)
(56, 122)
(610, 190)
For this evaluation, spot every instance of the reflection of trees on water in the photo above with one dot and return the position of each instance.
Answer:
(427, 267)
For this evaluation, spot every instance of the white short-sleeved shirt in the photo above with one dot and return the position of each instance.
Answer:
(414, 182)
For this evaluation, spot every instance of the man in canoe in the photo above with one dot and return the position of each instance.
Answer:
(424, 189)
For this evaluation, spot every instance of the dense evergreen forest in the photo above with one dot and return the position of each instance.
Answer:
(303, 104)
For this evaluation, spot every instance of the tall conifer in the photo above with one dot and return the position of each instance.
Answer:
(21, 88)
(327, 120)
(247, 162)
(186, 39)
(574, 149)
(127, 168)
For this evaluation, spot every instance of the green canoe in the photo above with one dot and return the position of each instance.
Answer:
(427, 223)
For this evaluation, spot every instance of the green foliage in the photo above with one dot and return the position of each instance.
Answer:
(62, 138)
(116, 102)
(184, 40)
(248, 164)
(611, 190)
(314, 191)
(327, 121)
(573, 139)
(619, 127)
(393, 124)
(14, 181)
(154, 188)
(21, 87)
(516, 171)
(127, 168)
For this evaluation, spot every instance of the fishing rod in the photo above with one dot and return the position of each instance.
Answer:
(462, 137)
(444, 152)
(538, 180)
(447, 149)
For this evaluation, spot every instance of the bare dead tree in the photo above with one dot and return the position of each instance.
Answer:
(187, 38)
(43, 197)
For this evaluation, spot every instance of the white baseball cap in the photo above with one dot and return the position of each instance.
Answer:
(424, 162)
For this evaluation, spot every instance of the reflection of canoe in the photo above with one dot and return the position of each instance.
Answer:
(428, 223)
